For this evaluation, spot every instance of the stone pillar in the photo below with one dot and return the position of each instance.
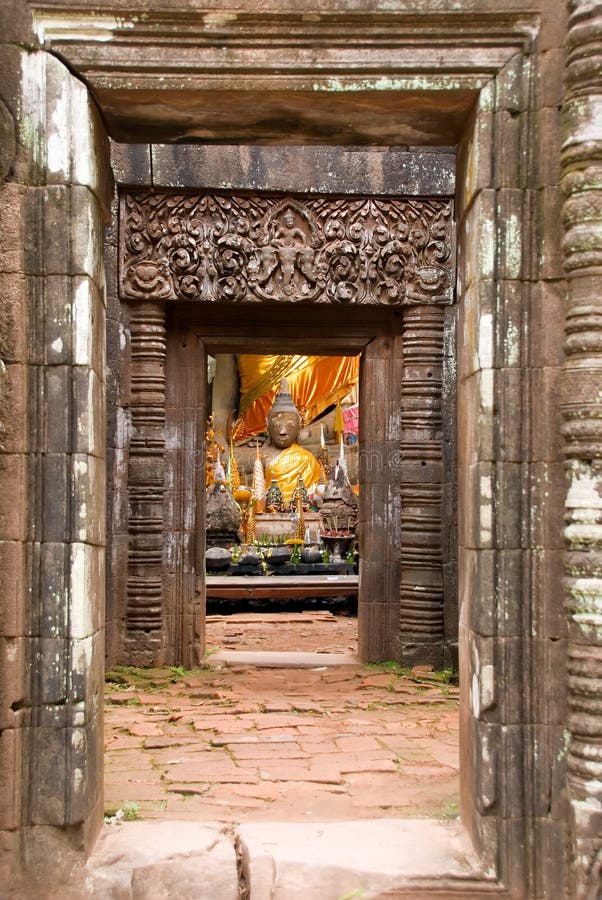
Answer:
(146, 477)
(421, 591)
(582, 414)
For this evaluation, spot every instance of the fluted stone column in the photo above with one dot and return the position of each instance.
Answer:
(582, 427)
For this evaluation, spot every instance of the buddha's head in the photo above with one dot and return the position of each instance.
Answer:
(284, 419)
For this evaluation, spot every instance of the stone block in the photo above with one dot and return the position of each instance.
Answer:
(475, 509)
(509, 427)
(48, 215)
(57, 134)
(87, 678)
(510, 578)
(75, 149)
(13, 230)
(13, 497)
(484, 686)
(13, 318)
(113, 343)
(13, 579)
(52, 655)
(552, 33)
(90, 147)
(509, 143)
(56, 497)
(474, 160)
(475, 329)
(87, 768)
(511, 670)
(551, 840)
(57, 406)
(14, 432)
(546, 323)
(364, 170)
(86, 234)
(477, 247)
(475, 590)
(510, 506)
(546, 436)
(14, 687)
(549, 771)
(512, 222)
(486, 761)
(117, 476)
(376, 642)
(131, 163)
(549, 689)
(513, 868)
(475, 410)
(52, 616)
(165, 859)
(548, 616)
(11, 756)
(56, 313)
(549, 233)
(88, 318)
(511, 85)
(178, 554)
(88, 412)
(89, 499)
(512, 790)
(512, 300)
(547, 493)
(49, 784)
(547, 155)
(87, 587)
(8, 142)
(10, 855)
(549, 78)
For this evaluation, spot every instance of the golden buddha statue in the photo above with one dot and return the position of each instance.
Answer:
(284, 459)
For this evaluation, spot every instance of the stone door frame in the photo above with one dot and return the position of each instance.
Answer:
(407, 589)
(510, 728)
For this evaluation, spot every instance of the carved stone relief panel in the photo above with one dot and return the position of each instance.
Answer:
(233, 248)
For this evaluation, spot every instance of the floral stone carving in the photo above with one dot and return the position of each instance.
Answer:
(228, 248)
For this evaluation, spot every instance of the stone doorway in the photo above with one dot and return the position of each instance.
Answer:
(410, 72)
(388, 443)
(378, 274)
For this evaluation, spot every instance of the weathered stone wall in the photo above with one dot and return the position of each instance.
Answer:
(53, 165)
(510, 304)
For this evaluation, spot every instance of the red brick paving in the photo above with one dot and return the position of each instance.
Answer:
(246, 744)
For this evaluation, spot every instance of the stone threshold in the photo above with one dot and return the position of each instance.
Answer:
(274, 659)
(281, 860)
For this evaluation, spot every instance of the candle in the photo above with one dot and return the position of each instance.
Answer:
(322, 441)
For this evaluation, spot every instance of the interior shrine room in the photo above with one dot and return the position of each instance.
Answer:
(277, 505)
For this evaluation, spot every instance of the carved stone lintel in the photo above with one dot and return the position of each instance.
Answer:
(144, 607)
(421, 600)
(228, 248)
(582, 414)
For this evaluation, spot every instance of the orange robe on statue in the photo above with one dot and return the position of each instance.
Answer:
(289, 465)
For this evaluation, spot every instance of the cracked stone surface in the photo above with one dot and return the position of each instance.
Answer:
(241, 744)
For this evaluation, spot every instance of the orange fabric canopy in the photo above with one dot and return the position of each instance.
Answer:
(315, 382)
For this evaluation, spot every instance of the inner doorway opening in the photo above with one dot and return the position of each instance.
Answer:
(282, 478)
